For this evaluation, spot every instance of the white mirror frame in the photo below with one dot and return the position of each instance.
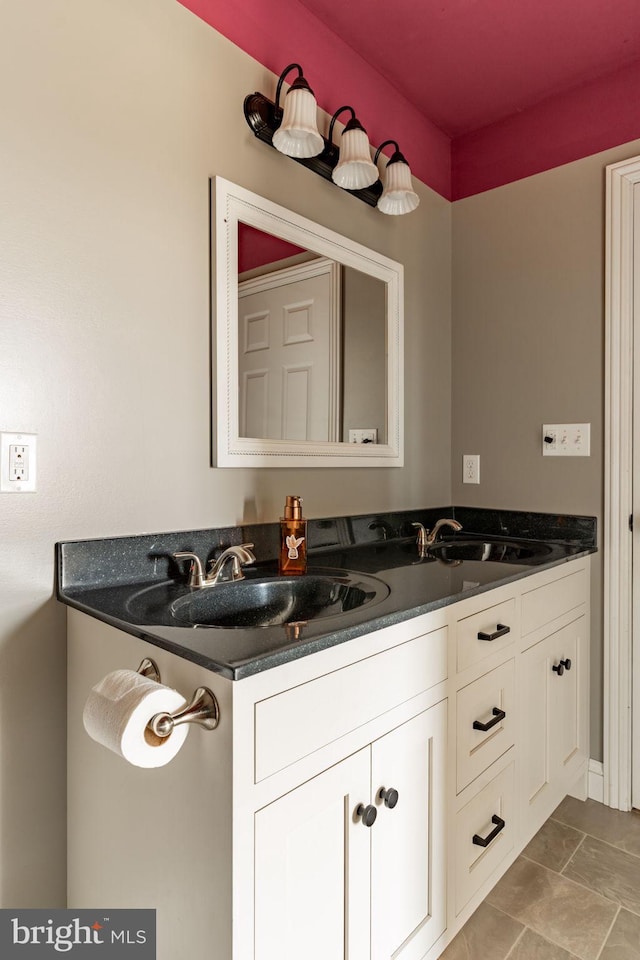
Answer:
(232, 205)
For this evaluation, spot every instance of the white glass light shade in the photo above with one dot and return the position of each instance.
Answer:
(398, 196)
(355, 168)
(297, 135)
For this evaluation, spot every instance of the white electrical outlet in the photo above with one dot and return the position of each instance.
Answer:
(471, 468)
(364, 435)
(18, 462)
(566, 439)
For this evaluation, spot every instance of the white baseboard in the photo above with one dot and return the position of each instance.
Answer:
(596, 781)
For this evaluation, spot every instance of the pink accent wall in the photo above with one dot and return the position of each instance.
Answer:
(256, 248)
(565, 127)
(595, 117)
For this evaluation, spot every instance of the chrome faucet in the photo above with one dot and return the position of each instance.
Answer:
(426, 538)
(385, 526)
(237, 556)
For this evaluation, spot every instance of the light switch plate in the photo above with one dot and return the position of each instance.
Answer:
(566, 439)
(364, 435)
(18, 462)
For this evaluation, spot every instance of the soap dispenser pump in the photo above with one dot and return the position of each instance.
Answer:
(293, 538)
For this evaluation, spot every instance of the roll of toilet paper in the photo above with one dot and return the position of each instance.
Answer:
(118, 710)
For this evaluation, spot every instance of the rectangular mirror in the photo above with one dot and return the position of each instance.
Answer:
(308, 336)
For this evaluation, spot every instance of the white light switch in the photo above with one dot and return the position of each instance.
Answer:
(566, 439)
(18, 462)
(364, 435)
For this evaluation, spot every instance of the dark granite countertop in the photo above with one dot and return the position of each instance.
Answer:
(105, 578)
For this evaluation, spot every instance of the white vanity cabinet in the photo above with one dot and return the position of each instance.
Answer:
(522, 658)
(347, 778)
(340, 860)
(554, 673)
(484, 732)
(252, 843)
(450, 733)
(312, 860)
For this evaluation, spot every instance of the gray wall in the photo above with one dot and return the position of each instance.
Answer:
(117, 114)
(528, 349)
(364, 355)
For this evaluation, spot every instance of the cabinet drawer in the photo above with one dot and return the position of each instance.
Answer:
(488, 702)
(478, 820)
(293, 724)
(472, 631)
(546, 603)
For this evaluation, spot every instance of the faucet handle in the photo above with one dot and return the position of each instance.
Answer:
(239, 555)
(242, 553)
(246, 554)
(196, 576)
(422, 535)
(243, 557)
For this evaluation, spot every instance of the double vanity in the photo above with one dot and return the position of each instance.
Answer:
(395, 726)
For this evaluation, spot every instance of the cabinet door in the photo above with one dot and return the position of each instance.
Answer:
(554, 721)
(537, 679)
(408, 839)
(312, 869)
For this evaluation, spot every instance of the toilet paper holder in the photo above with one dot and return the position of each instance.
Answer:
(203, 708)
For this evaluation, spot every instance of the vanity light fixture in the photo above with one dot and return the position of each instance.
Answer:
(354, 169)
(297, 135)
(293, 131)
(398, 195)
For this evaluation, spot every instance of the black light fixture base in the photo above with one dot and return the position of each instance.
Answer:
(260, 114)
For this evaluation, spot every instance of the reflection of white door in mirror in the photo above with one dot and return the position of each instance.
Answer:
(289, 352)
(363, 328)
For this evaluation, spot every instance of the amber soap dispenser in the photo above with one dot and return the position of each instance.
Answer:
(293, 538)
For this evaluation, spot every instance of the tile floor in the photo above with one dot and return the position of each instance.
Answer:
(573, 894)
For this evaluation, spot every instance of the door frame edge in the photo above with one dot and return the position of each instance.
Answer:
(618, 486)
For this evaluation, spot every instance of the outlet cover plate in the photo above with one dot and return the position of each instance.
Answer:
(28, 483)
(471, 468)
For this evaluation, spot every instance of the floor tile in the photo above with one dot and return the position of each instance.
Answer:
(607, 870)
(624, 940)
(553, 845)
(531, 946)
(488, 935)
(562, 911)
(620, 829)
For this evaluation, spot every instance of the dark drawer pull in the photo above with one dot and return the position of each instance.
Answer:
(498, 715)
(485, 841)
(566, 663)
(500, 632)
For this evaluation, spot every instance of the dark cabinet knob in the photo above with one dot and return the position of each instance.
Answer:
(566, 664)
(367, 814)
(389, 796)
(558, 668)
